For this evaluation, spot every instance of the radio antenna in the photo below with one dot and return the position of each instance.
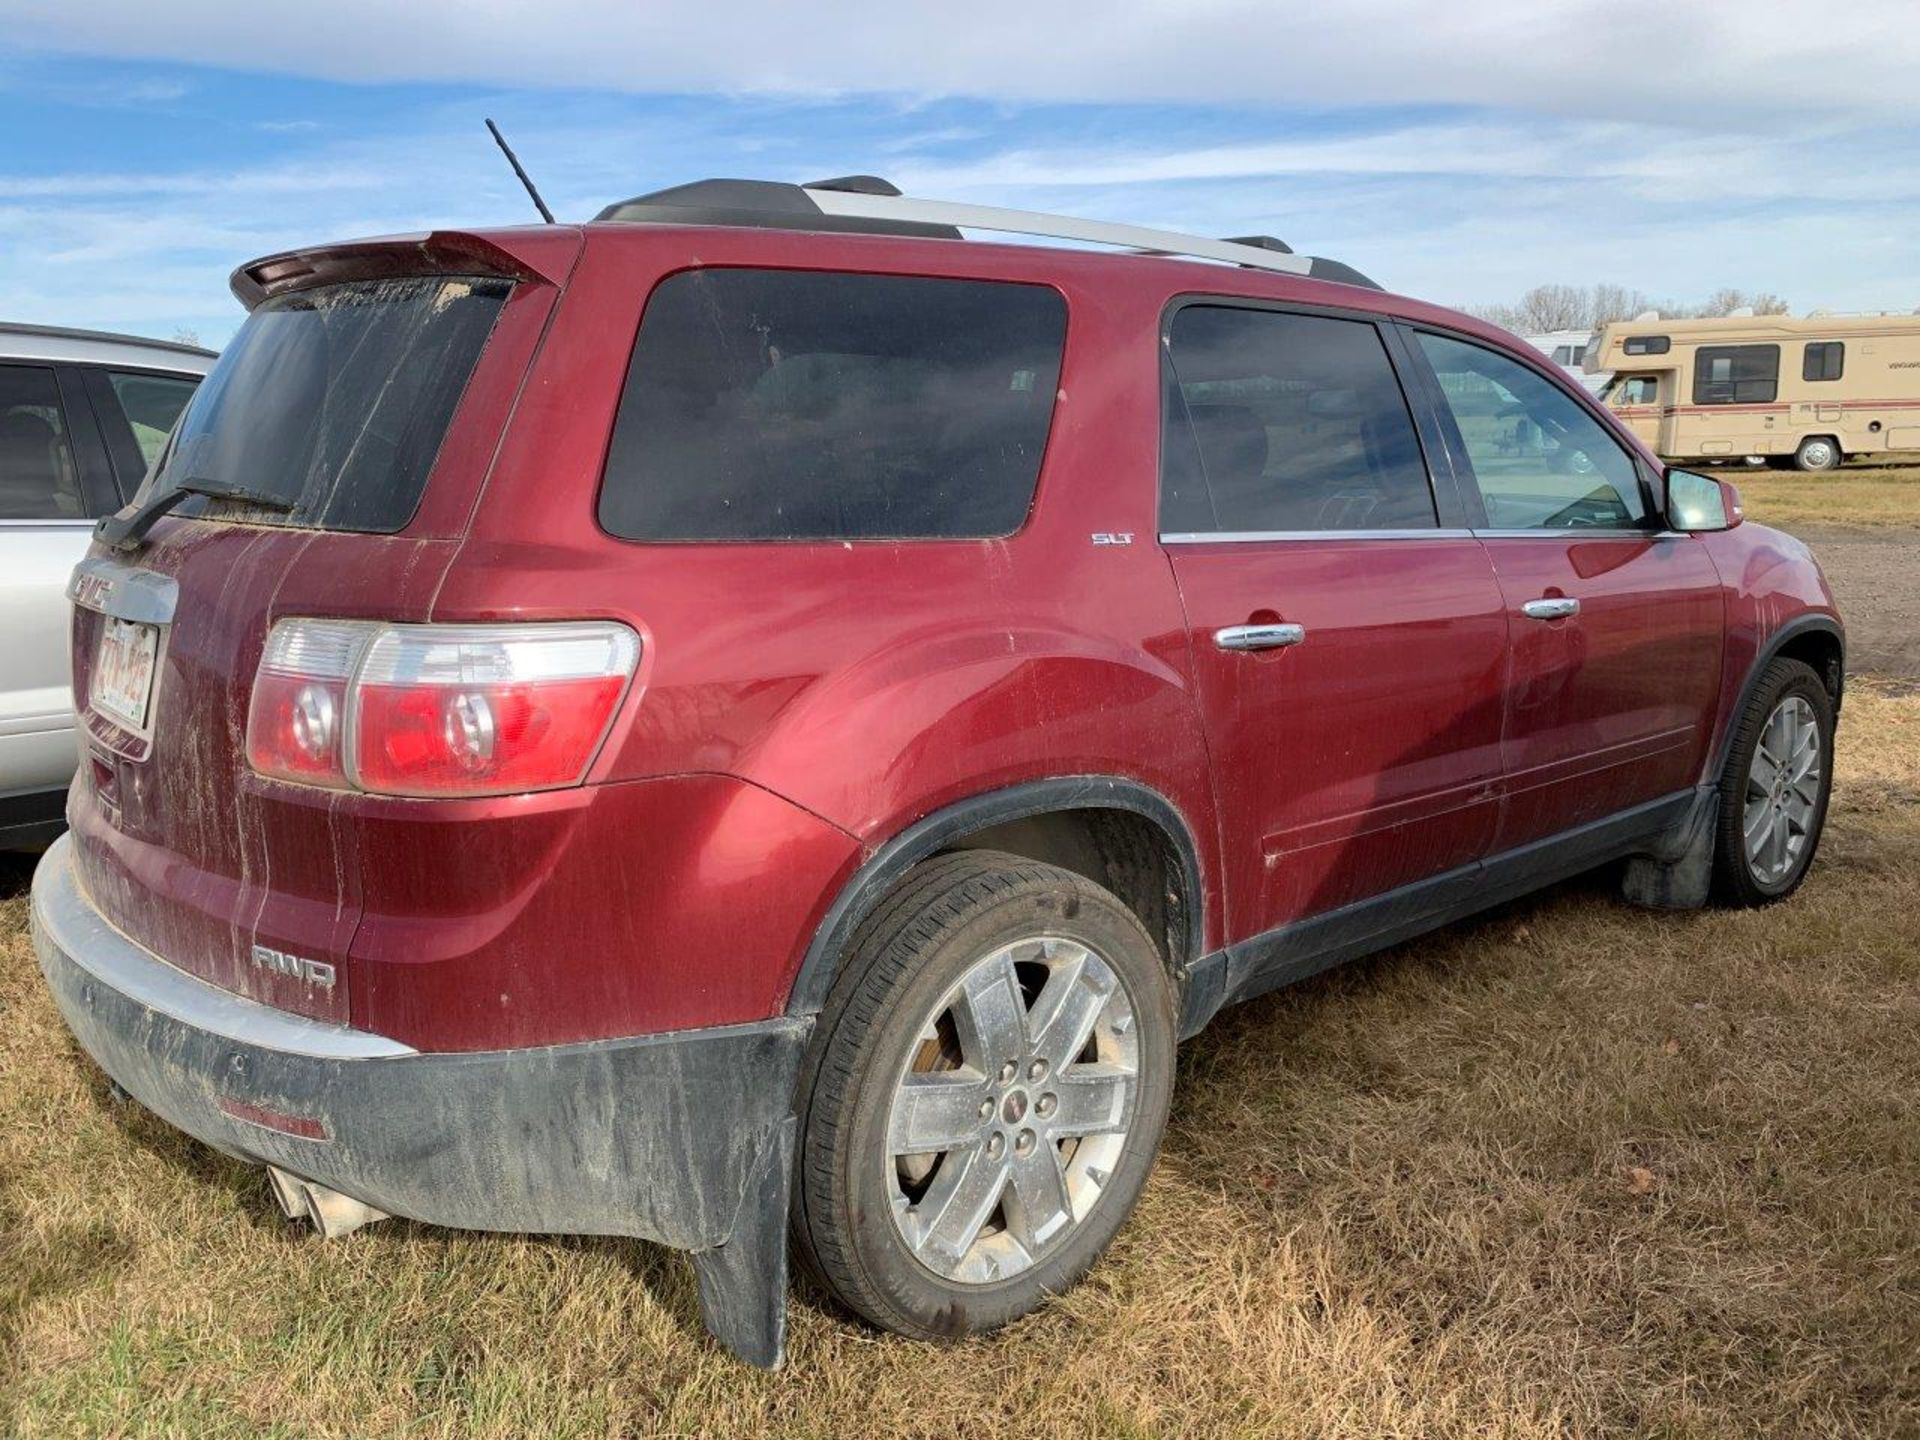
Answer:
(514, 160)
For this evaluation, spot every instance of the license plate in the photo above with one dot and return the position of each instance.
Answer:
(122, 683)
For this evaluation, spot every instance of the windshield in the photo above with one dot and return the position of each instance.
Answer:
(334, 401)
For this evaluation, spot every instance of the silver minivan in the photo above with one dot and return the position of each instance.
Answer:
(81, 415)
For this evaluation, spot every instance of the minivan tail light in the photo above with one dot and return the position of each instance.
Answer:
(437, 710)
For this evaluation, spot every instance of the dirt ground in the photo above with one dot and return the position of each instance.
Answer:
(1875, 574)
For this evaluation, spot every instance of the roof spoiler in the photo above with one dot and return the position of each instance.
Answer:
(542, 255)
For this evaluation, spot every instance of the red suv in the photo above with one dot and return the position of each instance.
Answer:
(760, 715)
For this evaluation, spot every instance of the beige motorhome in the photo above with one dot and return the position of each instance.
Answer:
(1807, 390)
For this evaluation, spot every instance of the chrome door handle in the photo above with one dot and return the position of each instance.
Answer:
(1259, 637)
(1555, 609)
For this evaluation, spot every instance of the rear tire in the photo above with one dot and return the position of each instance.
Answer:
(945, 1187)
(1774, 793)
(1817, 452)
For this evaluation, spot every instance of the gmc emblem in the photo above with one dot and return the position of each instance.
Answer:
(95, 592)
(308, 972)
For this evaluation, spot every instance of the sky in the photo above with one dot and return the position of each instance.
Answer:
(1458, 152)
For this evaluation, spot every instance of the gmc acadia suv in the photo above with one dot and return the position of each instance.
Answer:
(762, 715)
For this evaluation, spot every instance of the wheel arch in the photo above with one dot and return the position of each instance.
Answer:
(1816, 641)
(1041, 806)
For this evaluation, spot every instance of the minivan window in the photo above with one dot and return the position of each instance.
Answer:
(336, 399)
(1539, 459)
(38, 480)
(150, 403)
(1282, 422)
(812, 405)
(1736, 374)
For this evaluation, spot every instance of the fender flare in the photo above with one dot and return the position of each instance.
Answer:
(1769, 652)
(932, 833)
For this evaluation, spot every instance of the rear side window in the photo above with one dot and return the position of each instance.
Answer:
(38, 480)
(1823, 360)
(1736, 374)
(809, 405)
(1277, 422)
(336, 399)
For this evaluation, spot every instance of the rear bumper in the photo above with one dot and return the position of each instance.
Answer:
(681, 1138)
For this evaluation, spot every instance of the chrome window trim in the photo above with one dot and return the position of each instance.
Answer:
(1616, 532)
(1240, 537)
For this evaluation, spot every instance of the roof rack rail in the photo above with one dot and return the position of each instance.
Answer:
(868, 203)
(1261, 242)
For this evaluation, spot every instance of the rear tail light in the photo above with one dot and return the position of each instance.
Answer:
(437, 709)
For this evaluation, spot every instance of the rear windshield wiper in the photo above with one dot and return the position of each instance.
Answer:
(129, 532)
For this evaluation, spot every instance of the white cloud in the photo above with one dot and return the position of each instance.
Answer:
(1665, 60)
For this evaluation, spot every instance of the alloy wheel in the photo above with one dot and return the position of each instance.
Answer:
(1012, 1109)
(1783, 791)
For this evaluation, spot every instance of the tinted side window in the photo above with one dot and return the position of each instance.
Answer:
(150, 403)
(1736, 374)
(1539, 459)
(38, 478)
(799, 405)
(1823, 360)
(1280, 422)
(1648, 344)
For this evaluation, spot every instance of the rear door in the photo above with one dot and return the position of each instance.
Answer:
(1616, 622)
(1347, 646)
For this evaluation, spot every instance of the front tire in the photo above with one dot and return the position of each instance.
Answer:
(1773, 796)
(986, 1096)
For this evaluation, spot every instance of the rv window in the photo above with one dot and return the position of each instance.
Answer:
(1648, 344)
(1736, 374)
(1636, 390)
(1823, 360)
(1563, 355)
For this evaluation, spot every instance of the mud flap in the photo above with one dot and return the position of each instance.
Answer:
(743, 1283)
(1680, 875)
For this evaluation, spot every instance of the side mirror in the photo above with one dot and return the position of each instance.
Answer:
(1697, 502)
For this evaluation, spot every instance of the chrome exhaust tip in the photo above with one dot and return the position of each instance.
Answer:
(330, 1212)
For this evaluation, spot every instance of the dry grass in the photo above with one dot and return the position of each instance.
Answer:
(1858, 494)
(1573, 1169)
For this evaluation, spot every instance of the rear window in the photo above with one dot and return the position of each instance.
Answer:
(336, 399)
(806, 405)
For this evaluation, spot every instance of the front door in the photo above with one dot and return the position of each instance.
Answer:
(1347, 651)
(1616, 622)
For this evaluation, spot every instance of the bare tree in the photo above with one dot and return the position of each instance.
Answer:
(1587, 307)
(184, 336)
(1615, 302)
